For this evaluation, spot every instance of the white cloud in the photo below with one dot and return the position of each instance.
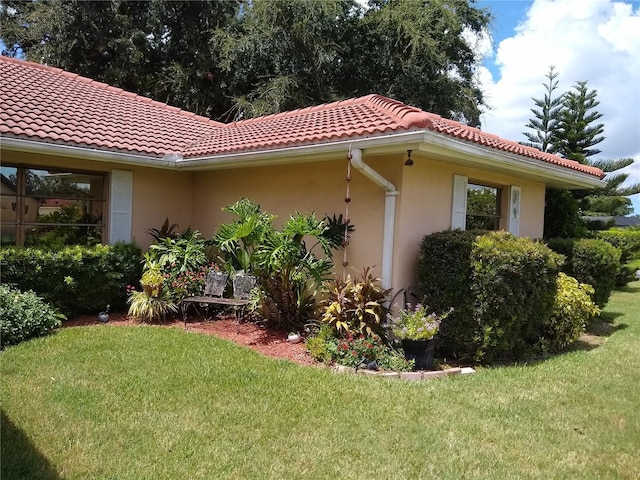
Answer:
(592, 40)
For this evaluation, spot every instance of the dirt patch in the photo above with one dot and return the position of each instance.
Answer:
(268, 342)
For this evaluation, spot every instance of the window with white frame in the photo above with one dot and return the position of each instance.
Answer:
(486, 207)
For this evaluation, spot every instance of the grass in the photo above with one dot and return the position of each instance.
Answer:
(109, 402)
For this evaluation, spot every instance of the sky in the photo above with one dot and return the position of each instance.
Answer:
(593, 40)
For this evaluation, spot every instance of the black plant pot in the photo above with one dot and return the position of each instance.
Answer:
(421, 351)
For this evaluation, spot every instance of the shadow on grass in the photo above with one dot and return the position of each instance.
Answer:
(598, 330)
(21, 459)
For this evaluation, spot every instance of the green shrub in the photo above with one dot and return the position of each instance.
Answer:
(501, 289)
(591, 261)
(596, 262)
(444, 276)
(572, 311)
(24, 315)
(626, 239)
(514, 286)
(74, 279)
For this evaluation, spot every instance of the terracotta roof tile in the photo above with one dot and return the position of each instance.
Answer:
(62, 107)
(91, 113)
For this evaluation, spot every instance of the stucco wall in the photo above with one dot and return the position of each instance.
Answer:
(282, 190)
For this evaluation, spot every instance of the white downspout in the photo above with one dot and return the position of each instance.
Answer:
(391, 192)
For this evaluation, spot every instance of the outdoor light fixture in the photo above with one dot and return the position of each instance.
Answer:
(408, 162)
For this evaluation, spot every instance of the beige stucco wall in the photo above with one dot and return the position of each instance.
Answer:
(308, 187)
(157, 194)
(423, 205)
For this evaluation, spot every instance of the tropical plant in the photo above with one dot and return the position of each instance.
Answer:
(290, 274)
(238, 240)
(164, 231)
(416, 323)
(355, 305)
(154, 302)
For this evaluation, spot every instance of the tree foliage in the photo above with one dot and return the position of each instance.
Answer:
(546, 116)
(242, 58)
(575, 133)
(567, 126)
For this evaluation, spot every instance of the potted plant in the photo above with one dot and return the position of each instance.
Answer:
(415, 327)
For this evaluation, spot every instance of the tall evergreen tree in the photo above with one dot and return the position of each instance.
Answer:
(546, 115)
(575, 132)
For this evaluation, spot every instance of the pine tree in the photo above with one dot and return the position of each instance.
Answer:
(575, 134)
(546, 116)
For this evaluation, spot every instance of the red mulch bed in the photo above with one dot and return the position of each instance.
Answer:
(268, 342)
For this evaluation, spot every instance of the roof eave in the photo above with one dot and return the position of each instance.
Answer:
(467, 153)
(86, 153)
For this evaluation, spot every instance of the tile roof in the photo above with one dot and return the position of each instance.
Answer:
(56, 106)
(49, 104)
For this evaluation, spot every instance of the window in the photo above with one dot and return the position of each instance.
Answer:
(51, 208)
(483, 207)
(477, 206)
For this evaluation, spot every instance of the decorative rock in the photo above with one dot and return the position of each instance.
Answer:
(467, 370)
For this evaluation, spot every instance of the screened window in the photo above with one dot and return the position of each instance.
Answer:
(51, 208)
(483, 207)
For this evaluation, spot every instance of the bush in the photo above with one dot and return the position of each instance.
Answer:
(572, 311)
(74, 279)
(628, 241)
(23, 316)
(596, 262)
(444, 276)
(591, 261)
(514, 286)
(501, 288)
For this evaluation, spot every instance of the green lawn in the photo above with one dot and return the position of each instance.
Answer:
(107, 402)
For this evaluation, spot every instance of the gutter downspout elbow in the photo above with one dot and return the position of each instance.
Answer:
(391, 192)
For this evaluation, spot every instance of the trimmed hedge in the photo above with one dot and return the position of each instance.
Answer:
(514, 285)
(501, 287)
(626, 239)
(444, 277)
(23, 316)
(590, 261)
(75, 279)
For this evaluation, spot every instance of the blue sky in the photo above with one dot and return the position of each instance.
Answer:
(593, 40)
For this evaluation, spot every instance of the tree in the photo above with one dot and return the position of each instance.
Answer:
(574, 134)
(157, 48)
(241, 58)
(571, 132)
(546, 116)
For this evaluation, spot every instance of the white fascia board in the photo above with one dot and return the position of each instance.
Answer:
(300, 154)
(85, 153)
(478, 155)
